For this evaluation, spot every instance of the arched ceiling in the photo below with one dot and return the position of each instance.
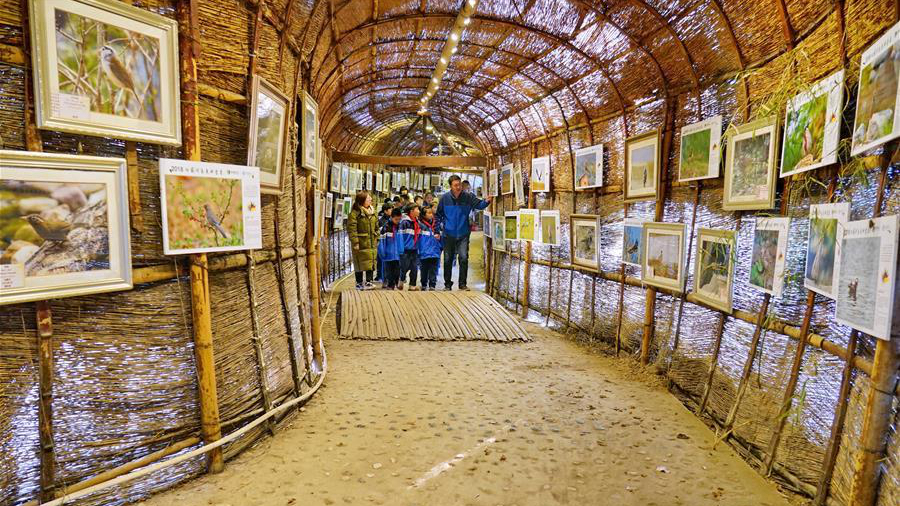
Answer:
(523, 67)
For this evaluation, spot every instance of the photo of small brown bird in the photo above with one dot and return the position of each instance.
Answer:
(214, 222)
(51, 229)
(116, 72)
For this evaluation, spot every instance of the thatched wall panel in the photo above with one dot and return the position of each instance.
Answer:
(11, 12)
(224, 128)
(224, 59)
(756, 27)
(12, 106)
(272, 331)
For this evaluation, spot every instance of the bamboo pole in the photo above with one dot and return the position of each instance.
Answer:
(527, 282)
(134, 187)
(313, 267)
(837, 426)
(189, 50)
(549, 289)
(687, 266)
(261, 374)
(279, 272)
(45, 404)
(717, 345)
(748, 364)
(305, 336)
(880, 398)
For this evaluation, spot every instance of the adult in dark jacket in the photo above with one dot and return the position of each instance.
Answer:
(362, 228)
(453, 213)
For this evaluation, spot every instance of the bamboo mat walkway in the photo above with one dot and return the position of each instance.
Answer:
(435, 316)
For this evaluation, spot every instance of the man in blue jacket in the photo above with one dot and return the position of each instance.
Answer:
(453, 213)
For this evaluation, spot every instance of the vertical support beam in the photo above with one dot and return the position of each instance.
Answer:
(134, 187)
(526, 285)
(45, 404)
(748, 364)
(189, 49)
(304, 335)
(257, 343)
(879, 401)
(313, 266)
(687, 267)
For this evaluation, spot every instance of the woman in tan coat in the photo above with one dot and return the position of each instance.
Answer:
(362, 227)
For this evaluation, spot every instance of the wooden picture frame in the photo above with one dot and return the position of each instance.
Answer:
(584, 241)
(135, 93)
(714, 268)
(73, 236)
(659, 267)
(588, 168)
(750, 166)
(309, 132)
(269, 105)
(642, 166)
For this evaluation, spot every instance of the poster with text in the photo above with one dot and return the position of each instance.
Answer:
(821, 246)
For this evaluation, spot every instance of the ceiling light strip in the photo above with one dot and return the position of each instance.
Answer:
(462, 21)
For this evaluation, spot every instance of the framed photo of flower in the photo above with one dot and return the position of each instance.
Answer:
(662, 264)
(879, 92)
(268, 133)
(585, 237)
(701, 149)
(309, 132)
(750, 166)
(540, 174)
(812, 126)
(105, 68)
(64, 230)
(642, 166)
(589, 167)
(714, 268)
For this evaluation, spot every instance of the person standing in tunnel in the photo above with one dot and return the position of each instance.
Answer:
(453, 213)
(362, 228)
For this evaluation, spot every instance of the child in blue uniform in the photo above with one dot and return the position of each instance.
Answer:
(382, 220)
(389, 247)
(429, 247)
(409, 232)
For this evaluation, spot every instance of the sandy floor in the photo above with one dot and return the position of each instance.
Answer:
(438, 423)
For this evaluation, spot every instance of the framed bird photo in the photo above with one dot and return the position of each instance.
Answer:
(589, 167)
(812, 126)
(540, 174)
(268, 133)
(750, 166)
(642, 166)
(585, 238)
(662, 262)
(309, 132)
(105, 68)
(767, 260)
(209, 207)
(64, 229)
(700, 150)
(714, 268)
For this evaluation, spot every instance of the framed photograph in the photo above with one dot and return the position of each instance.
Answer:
(64, 230)
(209, 207)
(345, 179)
(511, 228)
(338, 217)
(436, 180)
(750, 166)
(540, 174)
(329, 204)
(866, 277)
(370, 181)
(714, 268)
(812, 127)
(335, 178)
(701, 149)
(585, 237)
(662, 264)
(632, 241)
(529, 225)
(589, 167)
(268, 133)
(879, 93)
(642, 166)
(318, 211)
(493, 189)
(506, 183)
(309, 132)
(498, 240)
(486, 223)
(348, 204)
(379, 182)
(767, 258)
(105, 68)
(519, 187)
(550, 228)
(821, 247)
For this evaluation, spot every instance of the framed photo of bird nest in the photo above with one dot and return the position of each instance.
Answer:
(105, 68)
(812, 126)
(309, 132)
(268, 133)
(662, 263)
(209, 207)
(714, 268)
(64, 227)
(642, 166)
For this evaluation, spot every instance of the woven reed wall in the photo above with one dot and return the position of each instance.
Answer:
(587, 304)
(124, 372)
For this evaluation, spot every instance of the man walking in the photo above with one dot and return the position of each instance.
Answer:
(453, 213)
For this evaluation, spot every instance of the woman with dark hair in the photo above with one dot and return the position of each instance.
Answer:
(362, 228)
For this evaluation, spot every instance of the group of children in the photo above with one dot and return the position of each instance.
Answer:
(410, 238)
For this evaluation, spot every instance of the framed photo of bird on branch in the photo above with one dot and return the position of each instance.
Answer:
(268, 133)
(105, 68)
(64, 228)
(309, 132)
(209, 207)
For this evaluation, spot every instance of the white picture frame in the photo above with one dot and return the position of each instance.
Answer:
(700, 150)
(714, 268)
(663, 259)
(750, 166)
(267, 100)
(530, 225)
(768, 255)
(584, 238)
(540, 174)
(588, 168)
(821, 246)
(549, 234)
(876, 120)
(812, 127)
(309, 130)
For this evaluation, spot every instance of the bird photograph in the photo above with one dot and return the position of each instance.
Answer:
(203, 212)
(116, 68)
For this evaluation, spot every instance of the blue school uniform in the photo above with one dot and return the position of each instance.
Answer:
(409, 233)
(428, 245)
(389, 245)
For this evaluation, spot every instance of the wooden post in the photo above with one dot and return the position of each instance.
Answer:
(189, 50)
(837, 425)
(518, 271)
(683, 295)
(134, 187)
(549, 290)
(304, 335)
(620, 310)
(527, 283)
(313, 267)
(262, 377)
(748, 364)
(45, 404)
(279, 272)
(879, 402)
